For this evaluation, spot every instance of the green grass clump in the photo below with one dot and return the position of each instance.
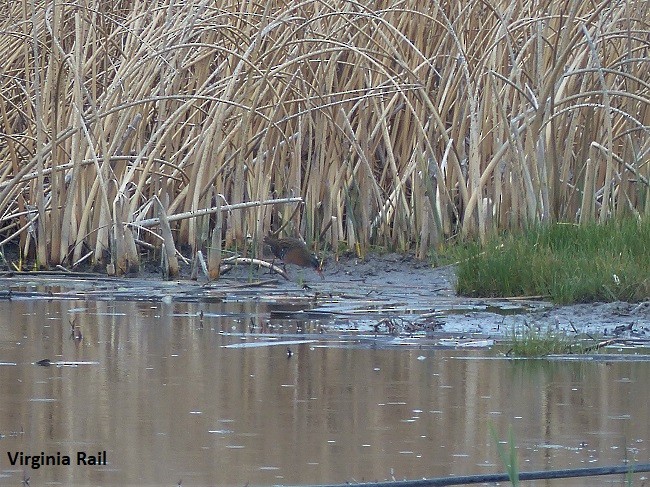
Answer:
(565, 263)
(531, 341)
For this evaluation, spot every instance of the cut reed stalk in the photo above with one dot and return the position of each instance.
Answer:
(214, 251)
(171, 268)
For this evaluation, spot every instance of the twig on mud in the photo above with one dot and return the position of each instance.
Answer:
(255, 284)
(260, 262)
(600, 345)
(395, 325)
(231, 261)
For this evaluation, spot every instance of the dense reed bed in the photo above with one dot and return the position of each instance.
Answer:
(399, 124)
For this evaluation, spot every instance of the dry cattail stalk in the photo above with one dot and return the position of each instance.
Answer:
(396, 126)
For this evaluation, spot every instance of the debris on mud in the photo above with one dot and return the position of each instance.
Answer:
(389, 294)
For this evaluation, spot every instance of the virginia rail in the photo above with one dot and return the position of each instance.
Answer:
(293, 251)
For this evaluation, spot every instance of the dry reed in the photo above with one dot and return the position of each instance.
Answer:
(398, 123)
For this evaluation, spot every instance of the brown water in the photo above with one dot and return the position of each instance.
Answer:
(170, 396)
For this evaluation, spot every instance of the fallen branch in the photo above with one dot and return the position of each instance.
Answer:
(262, 263)
(208, 211)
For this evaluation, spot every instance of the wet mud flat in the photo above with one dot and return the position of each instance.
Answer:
(391, 295)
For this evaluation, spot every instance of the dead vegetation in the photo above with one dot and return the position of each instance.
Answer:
(397, 124)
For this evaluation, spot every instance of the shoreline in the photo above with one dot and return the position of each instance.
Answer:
(388, 294)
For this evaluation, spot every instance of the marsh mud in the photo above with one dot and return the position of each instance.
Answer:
(392, 296)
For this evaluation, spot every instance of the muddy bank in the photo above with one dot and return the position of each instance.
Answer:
(391, 294)
(423, 299)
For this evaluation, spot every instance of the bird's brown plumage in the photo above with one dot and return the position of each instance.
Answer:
(293, 251)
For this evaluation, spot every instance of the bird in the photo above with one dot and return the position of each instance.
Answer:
(293, 251)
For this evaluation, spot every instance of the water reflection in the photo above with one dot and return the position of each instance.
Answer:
(169, 401)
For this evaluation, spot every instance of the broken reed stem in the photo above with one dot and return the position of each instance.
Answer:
(214, 251)
(208, 211)
(262, 263)
(171, 262)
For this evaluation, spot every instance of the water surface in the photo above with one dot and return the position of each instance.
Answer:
(173, 391)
